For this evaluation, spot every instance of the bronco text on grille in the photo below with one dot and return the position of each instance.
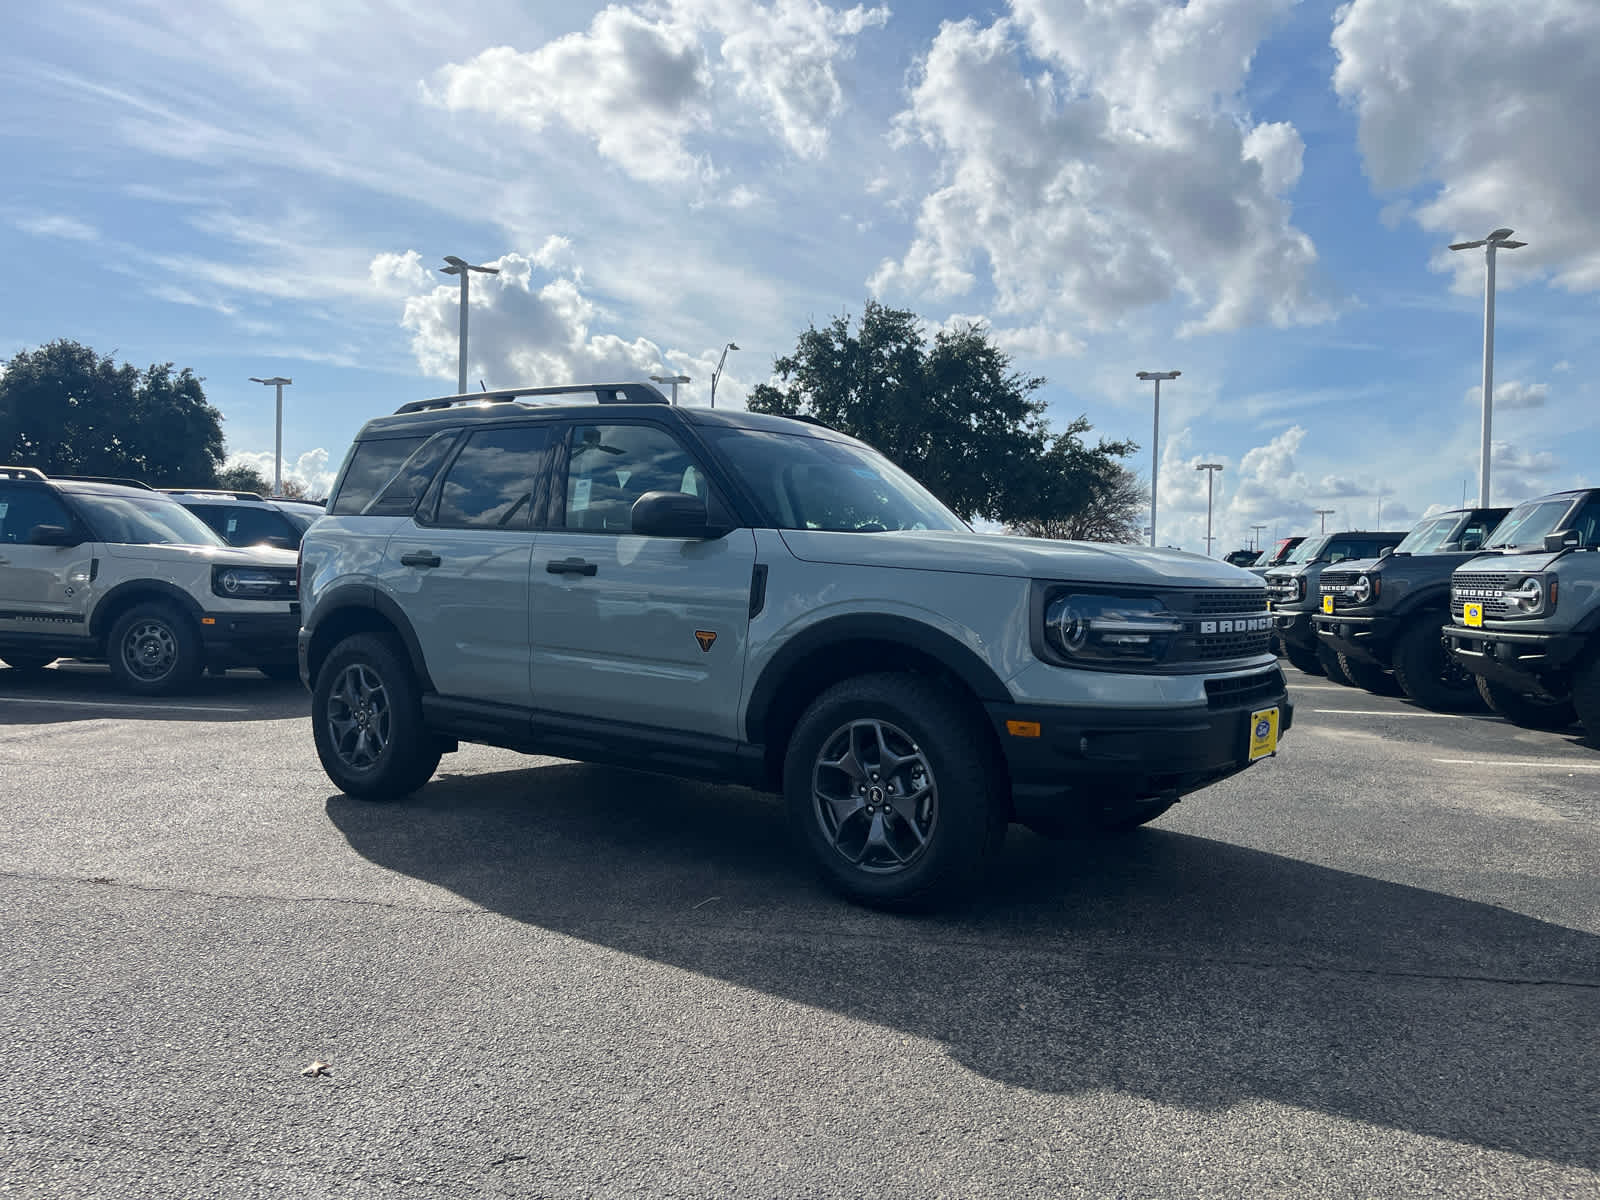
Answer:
(1220, 625)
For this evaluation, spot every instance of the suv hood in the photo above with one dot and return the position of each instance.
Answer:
(1536, 560)
(1021, 557)
(239, 556)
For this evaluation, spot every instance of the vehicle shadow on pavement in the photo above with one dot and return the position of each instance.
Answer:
(1189, 971)
(86, 692)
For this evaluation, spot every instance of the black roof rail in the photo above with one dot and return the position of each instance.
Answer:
(604, 393)
(133, 483)
(211, 491)
(22, 473)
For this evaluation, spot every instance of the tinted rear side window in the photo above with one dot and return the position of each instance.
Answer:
(492, 482)
(372, 465)
(399, 497)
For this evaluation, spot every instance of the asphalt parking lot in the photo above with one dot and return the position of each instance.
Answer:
(1369, 967)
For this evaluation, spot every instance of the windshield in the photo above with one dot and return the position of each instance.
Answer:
(1306, 551)
(1429, 536)
(817, 483)
(144, 521)
(1527, 524)
(1281, 555)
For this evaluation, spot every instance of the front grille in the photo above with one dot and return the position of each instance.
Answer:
(1233, 600)
(1332, 581)
(1244, 689)
(1231, 645)
(1485, 589)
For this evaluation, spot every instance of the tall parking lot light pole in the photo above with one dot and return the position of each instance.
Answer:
(1211, 470)
(717, 374)
(1500, 239)
(1155, 443)
(464, 269)
(1257, 530)
(277, 381)
(1324, 513)
(674, 380)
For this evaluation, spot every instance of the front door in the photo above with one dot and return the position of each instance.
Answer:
(460, 569)
(648, 630)
(44, 590)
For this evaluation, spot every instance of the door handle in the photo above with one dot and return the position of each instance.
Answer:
(570, 566)
(419, 558)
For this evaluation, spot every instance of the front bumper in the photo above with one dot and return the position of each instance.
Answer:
(250, 639)
(1528, 661)
(1083, 755)
(1368, 638)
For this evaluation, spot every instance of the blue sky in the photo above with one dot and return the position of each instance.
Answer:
(1256, 192)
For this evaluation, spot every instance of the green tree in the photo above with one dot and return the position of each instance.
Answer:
(70, 411)
(952, 412)
(1113, 509)
(241, 477)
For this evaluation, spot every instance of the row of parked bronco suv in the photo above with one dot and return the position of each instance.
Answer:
(1474, 607)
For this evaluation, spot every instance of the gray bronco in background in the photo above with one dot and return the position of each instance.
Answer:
(1385, 614)
(589, 572)
(1525, 618)
(1293, 595)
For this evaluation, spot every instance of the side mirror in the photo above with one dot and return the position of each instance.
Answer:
(1385, 552)
(673, 514)
(1556, 542)
(53, 535)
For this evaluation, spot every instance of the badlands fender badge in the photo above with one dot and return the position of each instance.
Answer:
(706, 638)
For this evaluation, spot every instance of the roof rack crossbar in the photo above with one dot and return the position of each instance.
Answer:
(211, 491)
(133, 483)
(603, 393)
(22, 473)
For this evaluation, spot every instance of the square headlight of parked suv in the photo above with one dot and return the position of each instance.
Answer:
(127, 575)
(590, 572)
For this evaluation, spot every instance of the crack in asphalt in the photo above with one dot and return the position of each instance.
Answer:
(578, 920)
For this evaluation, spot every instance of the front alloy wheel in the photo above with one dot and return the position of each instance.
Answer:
(154, 650)
(873, 795)
(359, 718)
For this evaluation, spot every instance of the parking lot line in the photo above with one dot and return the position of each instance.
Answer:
(1520, 762)
(113, 704)
(1385, 712)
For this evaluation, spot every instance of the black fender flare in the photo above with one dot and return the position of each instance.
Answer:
(349, 596)
(959, 660)
(1433, 596)
(99, 622)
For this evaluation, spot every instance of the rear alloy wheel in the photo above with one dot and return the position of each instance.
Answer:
(888, 785)
(28, 664)
(154, 650)
(1526, 710)
(1429, 674)
(1332, 667)
(1302, 659)
(366, 720)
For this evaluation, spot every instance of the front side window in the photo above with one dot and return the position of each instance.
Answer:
(819, 483)
(22, 509)
(372, 464)
(136, 520)
(492, 482)
(611, 466)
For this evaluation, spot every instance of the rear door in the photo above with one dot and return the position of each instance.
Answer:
(459, 566)
(647, 630)
(43, 589)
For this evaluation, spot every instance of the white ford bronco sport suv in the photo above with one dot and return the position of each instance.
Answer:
(587, 571)
(125, 574)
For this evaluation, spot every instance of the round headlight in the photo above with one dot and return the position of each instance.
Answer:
(1531, 598)
(1363, 590)
(1071, 627)
(230, 582)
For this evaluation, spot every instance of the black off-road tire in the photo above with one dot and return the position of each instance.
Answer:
(366, 720)
(1530, 712)
(153, 649)
(27, 664)
(1586, 699)
(1428, 675)
(1332, 666)
(933, 843)
(1302, 659)
(1366, 675)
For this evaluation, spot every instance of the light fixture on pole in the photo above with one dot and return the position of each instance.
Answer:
(1324, 513)
(464, 269)
(717, 374)
(674, 380)
(1500, 239)
(277, 381)
(1211, 470)
(1155, 442)
(1255, 543)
